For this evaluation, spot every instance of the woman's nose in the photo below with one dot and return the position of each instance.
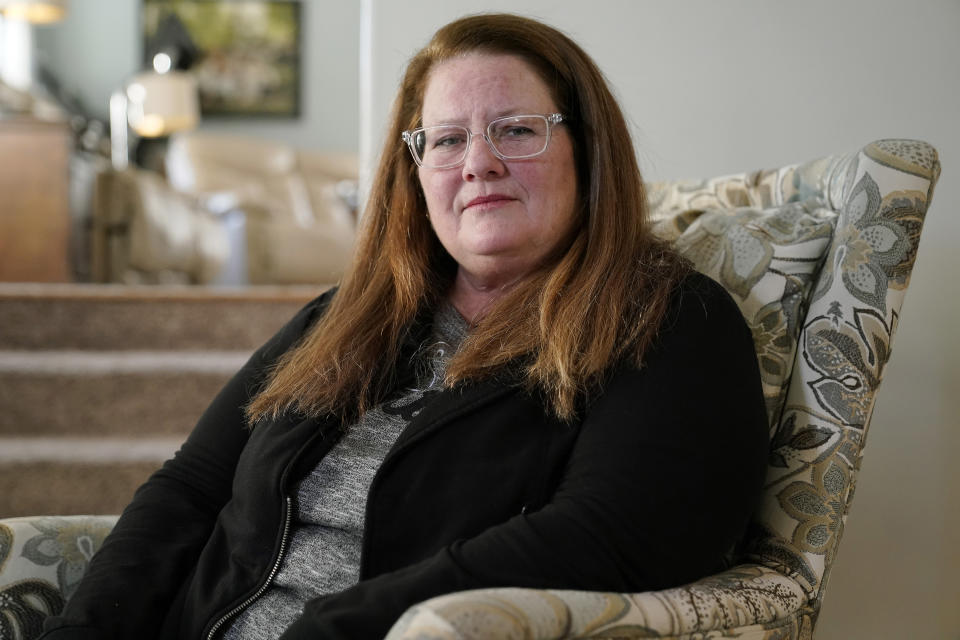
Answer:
(481, 161)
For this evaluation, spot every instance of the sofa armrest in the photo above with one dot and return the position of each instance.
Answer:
(42, 559)
(141, 224)
(747, 601)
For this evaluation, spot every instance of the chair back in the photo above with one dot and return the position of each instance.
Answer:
(818, 256)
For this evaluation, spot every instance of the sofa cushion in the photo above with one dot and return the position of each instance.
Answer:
(768, 260)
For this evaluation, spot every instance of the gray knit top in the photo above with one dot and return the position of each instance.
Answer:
(323, 555)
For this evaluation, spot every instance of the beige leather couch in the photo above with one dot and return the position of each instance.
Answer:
(227, 210)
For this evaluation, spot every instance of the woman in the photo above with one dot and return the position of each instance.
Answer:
(515, 385)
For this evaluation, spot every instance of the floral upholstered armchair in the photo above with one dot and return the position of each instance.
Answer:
(818, 256)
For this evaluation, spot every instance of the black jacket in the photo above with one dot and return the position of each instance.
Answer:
(650, 488)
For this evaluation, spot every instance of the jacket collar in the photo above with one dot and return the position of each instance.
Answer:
(451, 404)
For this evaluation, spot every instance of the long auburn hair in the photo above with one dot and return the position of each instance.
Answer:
(565, 326)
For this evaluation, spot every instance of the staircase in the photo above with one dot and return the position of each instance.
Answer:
(99, 384)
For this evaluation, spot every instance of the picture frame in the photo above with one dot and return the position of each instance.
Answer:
(245, 54)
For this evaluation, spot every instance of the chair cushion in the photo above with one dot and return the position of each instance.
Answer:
(768, 260)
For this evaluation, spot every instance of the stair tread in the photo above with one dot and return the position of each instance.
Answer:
(144, 318)
(83, 362)
(22, 450)
(153, 293)
(125, 404)
(68, 488)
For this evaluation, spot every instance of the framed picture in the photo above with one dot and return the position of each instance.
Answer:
(245, 54)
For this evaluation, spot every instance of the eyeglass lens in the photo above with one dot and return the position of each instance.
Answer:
(514, 137)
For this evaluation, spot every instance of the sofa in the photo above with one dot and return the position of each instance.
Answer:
(226, 210)
(818, 256)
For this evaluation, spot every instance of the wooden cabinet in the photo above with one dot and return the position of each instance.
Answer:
(34, 200)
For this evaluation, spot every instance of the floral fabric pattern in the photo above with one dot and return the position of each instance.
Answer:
(41, 563)
(876, 248)
(750, 595)
(66, 545)
(849, 359)
(823, 338)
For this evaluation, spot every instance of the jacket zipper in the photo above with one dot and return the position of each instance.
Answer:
(263, 587)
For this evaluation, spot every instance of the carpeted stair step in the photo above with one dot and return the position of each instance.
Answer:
(69, 476)
(117, 393)
(70, 488)
(117, 317)
(99, 384)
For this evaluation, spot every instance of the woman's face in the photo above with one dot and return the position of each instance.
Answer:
(498, 218)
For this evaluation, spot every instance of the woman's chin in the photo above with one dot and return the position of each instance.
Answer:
(496, 269)
(497, 240)
(496, 251)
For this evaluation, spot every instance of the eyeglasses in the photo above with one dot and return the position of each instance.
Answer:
(510, 138)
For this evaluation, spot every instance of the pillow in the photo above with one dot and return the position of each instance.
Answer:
(768, 260)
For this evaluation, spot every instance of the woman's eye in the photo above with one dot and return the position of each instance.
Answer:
(449, 141)
(516, 131)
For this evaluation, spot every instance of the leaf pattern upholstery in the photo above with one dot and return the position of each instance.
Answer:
(818, 257)
(41, 562)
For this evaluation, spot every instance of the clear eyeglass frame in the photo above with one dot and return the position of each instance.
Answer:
(410, 138)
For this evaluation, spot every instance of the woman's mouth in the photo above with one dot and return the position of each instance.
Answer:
(488, 202)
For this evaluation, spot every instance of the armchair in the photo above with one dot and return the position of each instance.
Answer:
(818, 256)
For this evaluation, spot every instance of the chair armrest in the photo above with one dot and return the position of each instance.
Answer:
(42, 559)
(746, 601)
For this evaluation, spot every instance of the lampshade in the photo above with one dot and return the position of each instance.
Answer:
(35, 11)
(161, 103)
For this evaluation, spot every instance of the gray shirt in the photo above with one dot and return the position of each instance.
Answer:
(323, 555)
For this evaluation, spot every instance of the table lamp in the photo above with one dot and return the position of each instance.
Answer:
(153, 103)
(19, 16)
(34, 11)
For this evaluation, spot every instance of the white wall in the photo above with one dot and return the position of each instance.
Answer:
(98, 46)
(722, 87)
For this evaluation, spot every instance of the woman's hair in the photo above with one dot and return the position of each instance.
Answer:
(599, 300)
